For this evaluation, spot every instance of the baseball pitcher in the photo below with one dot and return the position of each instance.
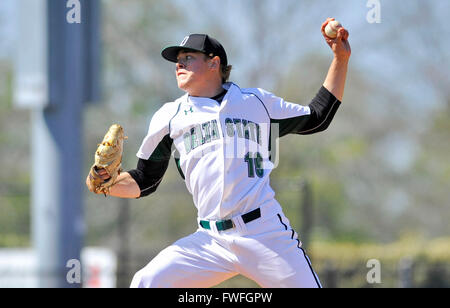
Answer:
(219, 134)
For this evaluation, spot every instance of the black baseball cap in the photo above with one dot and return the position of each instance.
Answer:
(197, 42)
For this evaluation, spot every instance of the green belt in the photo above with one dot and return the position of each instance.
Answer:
(228, 224)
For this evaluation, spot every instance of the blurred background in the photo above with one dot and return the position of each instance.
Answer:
(375, 185)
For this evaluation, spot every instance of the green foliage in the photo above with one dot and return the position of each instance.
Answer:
(14, 240)
(344, 264)
(15, 216)
(348, 261)
(6, 89)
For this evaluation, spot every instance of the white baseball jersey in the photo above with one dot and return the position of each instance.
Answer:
(223, 152)
(223, 148)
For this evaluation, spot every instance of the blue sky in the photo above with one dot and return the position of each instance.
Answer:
(7, 27)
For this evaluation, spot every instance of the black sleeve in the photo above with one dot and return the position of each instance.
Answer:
(323, 108)
(149, 173)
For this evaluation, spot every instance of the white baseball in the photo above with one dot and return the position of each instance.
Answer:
(331, 28)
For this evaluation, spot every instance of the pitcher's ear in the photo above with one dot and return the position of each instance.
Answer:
(214, 62)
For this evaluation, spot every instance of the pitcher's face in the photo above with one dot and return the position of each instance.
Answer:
(191, 70)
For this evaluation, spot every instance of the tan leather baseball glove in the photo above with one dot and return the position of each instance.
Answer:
(108, 156)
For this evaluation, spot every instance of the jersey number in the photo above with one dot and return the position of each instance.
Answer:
(254, 163)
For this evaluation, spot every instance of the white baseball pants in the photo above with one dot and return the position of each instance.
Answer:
(265, 250)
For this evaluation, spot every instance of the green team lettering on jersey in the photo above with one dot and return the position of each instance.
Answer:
(244, 129)
(209, 131)
(200, 135)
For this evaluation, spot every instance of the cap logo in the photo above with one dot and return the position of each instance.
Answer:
(183, 42)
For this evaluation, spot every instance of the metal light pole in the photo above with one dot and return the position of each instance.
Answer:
(70, 53)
